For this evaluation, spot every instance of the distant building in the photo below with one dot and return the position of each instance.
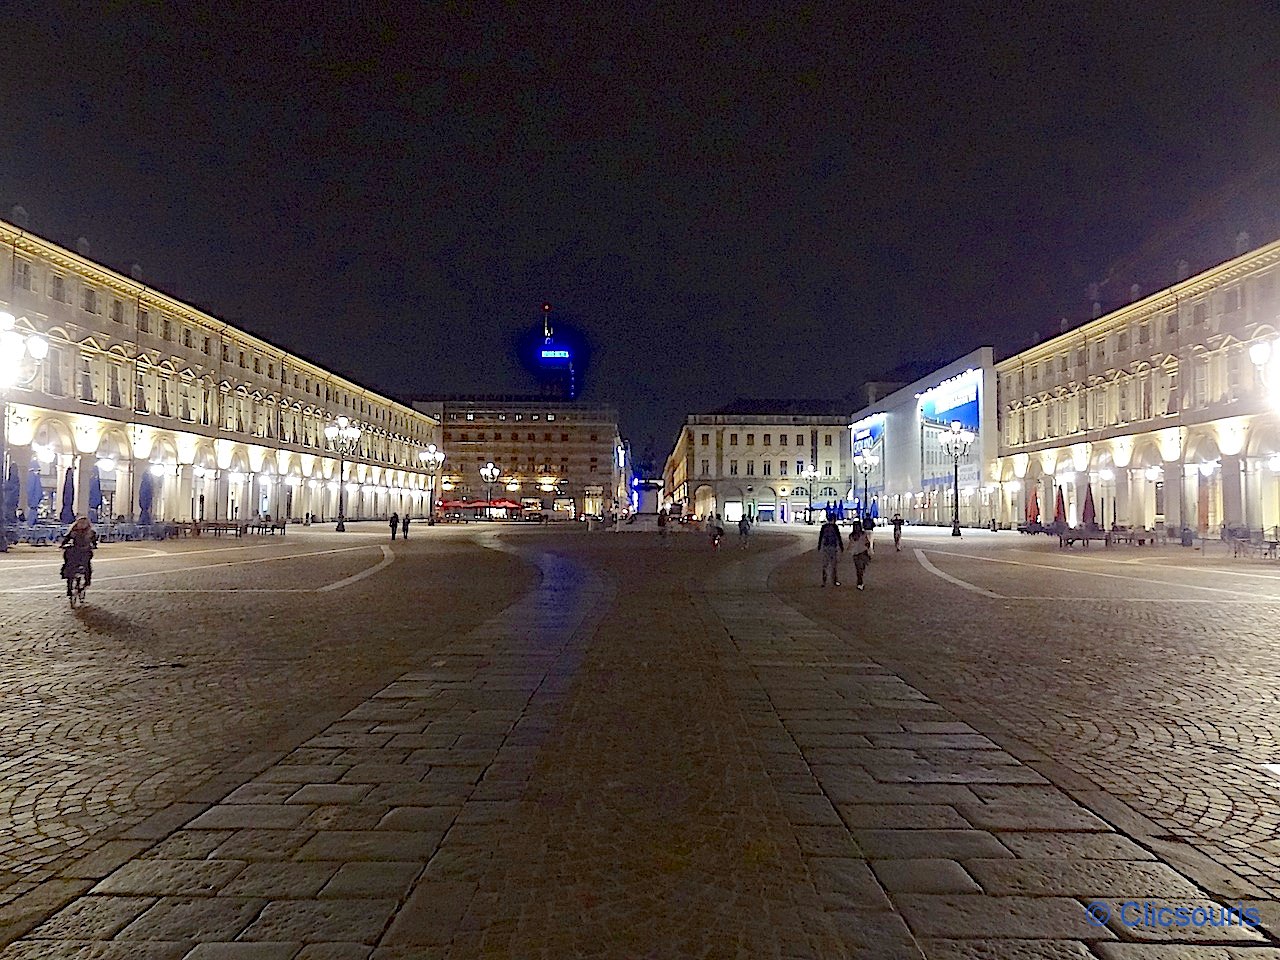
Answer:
(563, 458)
(750, 458)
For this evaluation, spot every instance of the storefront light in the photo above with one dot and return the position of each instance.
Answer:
(157, 469)
(1207, 468)
(1153, 473)
(1106, 474)
(106, 465)
(1273, 463)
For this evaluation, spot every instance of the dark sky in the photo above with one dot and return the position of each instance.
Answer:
(774, 202)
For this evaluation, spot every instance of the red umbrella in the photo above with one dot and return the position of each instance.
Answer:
(1088, 515)
(1060, 509)
(506, 504)
(1033, 506)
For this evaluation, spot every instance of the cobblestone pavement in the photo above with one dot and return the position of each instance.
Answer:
(655, 753)
(177, 669)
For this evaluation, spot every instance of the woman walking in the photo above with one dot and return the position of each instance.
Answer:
(860, 547)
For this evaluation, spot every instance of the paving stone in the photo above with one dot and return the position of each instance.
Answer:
(244, 951)
(926, 844)
(867, 933)
(1009, 950)
(948, 917)
(1081, 878)
(430, 914)
(1082, 846)
(329, 793)
(193, 918)
(925, 876)
(1030, 816)
(336, 951)
(419, 818)
(901, 816)
(320, 921)
(92, 917)
(250, 816)
(93, 950)
(280, 880)
(170, 877)
(389, 845)
(387, 879)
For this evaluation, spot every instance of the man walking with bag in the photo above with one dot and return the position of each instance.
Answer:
(830, 545)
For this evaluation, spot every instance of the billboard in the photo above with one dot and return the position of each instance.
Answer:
(954, 399)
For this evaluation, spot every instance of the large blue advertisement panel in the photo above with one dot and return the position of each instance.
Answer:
(954, 399)
(867, 433)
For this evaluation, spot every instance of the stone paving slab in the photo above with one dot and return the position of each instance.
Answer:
(688, 767)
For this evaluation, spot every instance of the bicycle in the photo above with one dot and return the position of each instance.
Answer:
(75, 585)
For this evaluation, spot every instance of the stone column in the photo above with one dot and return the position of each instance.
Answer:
(84, 476)
(1233, 512)
(1175, 495)
(1120, 507)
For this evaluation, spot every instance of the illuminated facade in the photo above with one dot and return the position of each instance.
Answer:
(560, 457)
(1166, 410)
(141, 390)
(910, 471)
(754, 464)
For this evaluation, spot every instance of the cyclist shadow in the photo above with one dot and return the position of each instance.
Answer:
(99, 620)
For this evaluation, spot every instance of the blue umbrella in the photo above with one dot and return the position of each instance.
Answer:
(95, 495)
(12, 492)
(875, 507)
(68, 514)
(35, 494)
(145, 495)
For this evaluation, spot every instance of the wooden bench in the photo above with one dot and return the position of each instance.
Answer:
(219, 527)
(1072, 535)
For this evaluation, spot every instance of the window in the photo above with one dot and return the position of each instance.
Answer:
(167, 328)
(207, 344)
(564, 438)
(22, 274)
(58, 288)
(826, 441)
(1080, 358)
(1200, 312)
(782, 439)
(257, 364)
(550, 417)
(706, 439)
(546, 438)
(768, 439)
(799, 467)
(1171, 323)
(799, 439)
(706, 468)
(768, 467)
(89, 299)
(1062, 363)
(826, 468)
(751, 439)
(186, 337)
(226, 356)
(782, 468)
(1122, 341)
(117, 311)
(1100, 350)
(733, 468)
(86, 380)
(242, 364)
(751, 468)
(1144, 333)
(1035, 373)
(530, 436)
(733, 439)
(1232, 301)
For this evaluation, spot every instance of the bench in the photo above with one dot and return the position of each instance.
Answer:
(1072, 535)
(219, 527)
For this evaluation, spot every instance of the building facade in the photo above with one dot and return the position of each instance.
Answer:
(139, 389)
(1165, 410)
(563, 458)
(754, 463)
(909, 470)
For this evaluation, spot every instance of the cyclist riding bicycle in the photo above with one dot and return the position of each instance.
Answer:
(77, 548)
(897, 531)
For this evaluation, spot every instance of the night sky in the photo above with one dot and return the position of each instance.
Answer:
(778, 202)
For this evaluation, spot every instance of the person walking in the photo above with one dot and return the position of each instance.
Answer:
(860, 547)
(663, 520)
(395, 524)
(830, 545)
(744, 531)
(404, 525)
(897, 531)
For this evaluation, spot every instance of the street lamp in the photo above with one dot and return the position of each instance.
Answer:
(431, 459)
(489, 474)
(810, 477)
(956, 442)
(865, 462)
(19, 366)
(343, 436)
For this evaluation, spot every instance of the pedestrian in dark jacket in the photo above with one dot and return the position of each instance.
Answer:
(830, 545)
(395, 524)
(404, 526)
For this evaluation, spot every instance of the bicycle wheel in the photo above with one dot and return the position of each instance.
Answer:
(73, 592)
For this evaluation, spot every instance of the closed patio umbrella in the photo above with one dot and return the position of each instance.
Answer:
(35, 494)
(145, 495)
(1089, 514)
(95, 495)
(1060, 508)
(1033, 506)
(12, 491)
(68, 513)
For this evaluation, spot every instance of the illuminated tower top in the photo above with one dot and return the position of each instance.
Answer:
(555, 362)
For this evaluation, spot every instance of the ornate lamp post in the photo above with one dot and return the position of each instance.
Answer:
(19, 366)
(343, 436)
(956, 443)
(865, 462)
(431, 459)
(489, 474)
(810, 477)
